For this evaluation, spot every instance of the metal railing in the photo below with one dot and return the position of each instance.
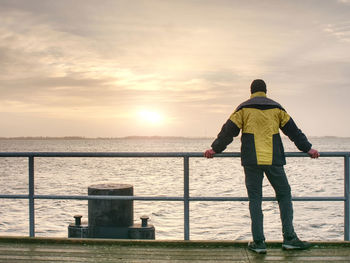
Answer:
(186, 198)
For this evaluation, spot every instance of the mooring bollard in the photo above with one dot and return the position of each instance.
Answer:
(144, 221)
(110, 218)
(78, 229)
(143, 230)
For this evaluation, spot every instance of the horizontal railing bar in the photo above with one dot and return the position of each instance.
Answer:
(111, 154)
(150, 154)
(165, 198)
(312, 198)
(14, 196)
(109, 197)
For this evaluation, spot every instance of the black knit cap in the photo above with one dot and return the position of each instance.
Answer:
(258, 85)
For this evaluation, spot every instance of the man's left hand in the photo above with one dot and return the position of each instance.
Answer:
(313, 153)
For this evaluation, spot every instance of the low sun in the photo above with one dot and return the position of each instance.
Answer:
(150, 116)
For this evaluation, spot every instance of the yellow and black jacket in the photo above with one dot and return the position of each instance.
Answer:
(260, 119)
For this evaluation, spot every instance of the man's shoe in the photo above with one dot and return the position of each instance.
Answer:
(258, 247)
(295, 244)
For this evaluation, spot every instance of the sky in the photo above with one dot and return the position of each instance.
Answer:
(114, 68)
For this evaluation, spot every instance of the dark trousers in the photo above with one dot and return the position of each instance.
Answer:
(277, 177)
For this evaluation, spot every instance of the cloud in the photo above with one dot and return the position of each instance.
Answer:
(344, 1)
(340, 30)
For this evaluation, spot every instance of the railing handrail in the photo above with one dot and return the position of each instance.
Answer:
(152, 154)
(186, 198)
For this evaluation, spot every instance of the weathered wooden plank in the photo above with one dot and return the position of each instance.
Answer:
(50, 250)
(97, 253)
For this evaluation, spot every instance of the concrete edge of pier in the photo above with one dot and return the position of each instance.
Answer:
(166, 243)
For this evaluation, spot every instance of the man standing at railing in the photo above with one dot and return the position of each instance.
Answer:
(260, 119)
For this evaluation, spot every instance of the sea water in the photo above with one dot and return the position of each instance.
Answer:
(218, 177)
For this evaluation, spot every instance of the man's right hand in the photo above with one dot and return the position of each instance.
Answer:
(313, 153)
(209, 153)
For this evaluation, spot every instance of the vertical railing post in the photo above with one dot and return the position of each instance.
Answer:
(186, 199)
(31, 197)
(347, 197)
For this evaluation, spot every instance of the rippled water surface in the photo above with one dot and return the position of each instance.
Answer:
(164, 177)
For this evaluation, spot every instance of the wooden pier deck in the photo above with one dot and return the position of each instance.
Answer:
(23, 249)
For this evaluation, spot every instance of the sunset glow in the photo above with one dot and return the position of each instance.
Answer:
(151, 117)
(169, 68)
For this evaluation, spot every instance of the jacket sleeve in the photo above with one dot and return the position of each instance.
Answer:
(225, 137)
(296, 135)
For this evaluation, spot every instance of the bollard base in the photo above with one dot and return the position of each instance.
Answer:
(137, 231)
(81, 231)
(108, 232)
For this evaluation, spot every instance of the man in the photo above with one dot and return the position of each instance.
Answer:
(260, 119)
